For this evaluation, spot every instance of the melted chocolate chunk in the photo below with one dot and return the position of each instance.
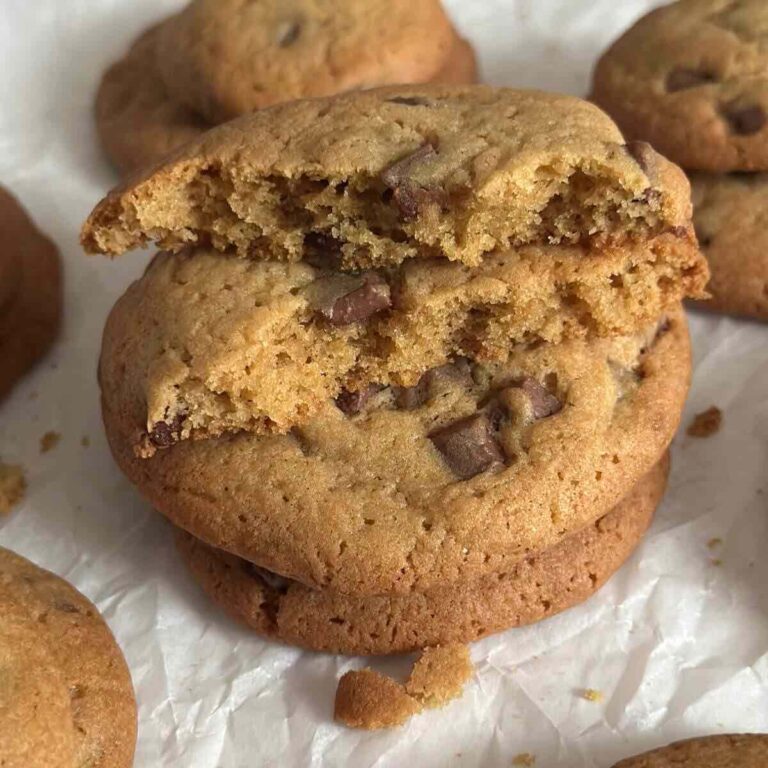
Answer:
(288, 34)
(409, 196)
(543, 402)
(468, 446)
(683, 78)
(346, 299)
(410, 101)
(645, 156)
(409, 398)
(351, 403)
(164, 433)
(745, 121)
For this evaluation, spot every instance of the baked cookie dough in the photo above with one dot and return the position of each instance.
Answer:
(691, 78)
(536, 588)
(728, 751)
(30, 292)
(66, 697)
(731, 219)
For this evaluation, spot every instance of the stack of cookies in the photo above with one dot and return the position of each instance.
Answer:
(218, 59)
(408, 366)
(692, 79)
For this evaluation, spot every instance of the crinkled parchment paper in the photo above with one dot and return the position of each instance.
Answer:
(677, 642)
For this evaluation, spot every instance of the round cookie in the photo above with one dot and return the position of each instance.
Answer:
(224, 58)
(538, 587)
(744, 750)
(81, 655)
(30, 292)
(691, 78)
(407, 495)
(137, 121)
(732, 225)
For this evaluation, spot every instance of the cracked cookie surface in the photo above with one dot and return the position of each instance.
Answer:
(540, 586)
(692, 79)
(398, 173)
(374, 500)
(731, 220)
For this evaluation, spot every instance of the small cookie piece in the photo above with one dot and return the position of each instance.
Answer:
(81, 654)
(224, 58)
(731, 219)
(12, 486)
(539, 587)
(439, 675)
(706, 423)
(744, 750)
(691, 78)
(30, 292)
(401, 172)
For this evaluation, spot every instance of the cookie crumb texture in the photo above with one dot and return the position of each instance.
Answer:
(369, 700)
(691, 78)
(726, 751)
(706, 423)
(398, 173)
(12, 486)
(66, 697)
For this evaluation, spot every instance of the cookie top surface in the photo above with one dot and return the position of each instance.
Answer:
(224, 58)
(731, 219)
(82, 652)
(691, 78)
(30, 292)
(727, 751)
(490, 463)
(137, 121)
(401, 172)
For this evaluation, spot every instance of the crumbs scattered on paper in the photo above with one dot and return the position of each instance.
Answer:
(49, 441)
(12, 487)
(706, 423)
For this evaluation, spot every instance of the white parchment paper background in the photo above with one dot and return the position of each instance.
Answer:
(677, 644)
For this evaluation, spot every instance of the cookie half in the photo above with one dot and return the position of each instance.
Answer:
(30, 292)
(540, 586)
(461, 477)
(744, 750)
(46, 618)
(691, 78)
(732, 224)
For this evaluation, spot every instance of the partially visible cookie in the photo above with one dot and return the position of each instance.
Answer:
(224, 58)
(30, 292)
(743, 750)
(77, 650)
(731, 219)
(542, 585)
(691, 78)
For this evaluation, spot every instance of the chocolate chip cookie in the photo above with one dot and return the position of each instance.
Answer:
(731, 219)
(30, 292)
(462, 474)
(743, 750)
(64, 685)
(691, 78)
(539, 586)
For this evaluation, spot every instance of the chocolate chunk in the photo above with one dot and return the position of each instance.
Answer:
(164, 433)
(409, 196)
(468, 446)
(645, 156)
(322, 250)
(270, 579)
(543, 402)
(682, 78)
(288, 33)
(410, 101)
(745, 121)
(352, 403)
(459, 371)
(345, 299)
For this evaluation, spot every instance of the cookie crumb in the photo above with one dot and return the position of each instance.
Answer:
(706, 423)
(49, 441)
(717, 562)
(12, 487)
(713, 543)
(524, 759)
(369, 700)
(590, 694)
(85, 441)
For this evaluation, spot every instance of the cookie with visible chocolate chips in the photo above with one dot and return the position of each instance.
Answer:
(30, 292)
(540, 586)
(692, 79)
(731, 220)
(743, 750)
(83, 712)
(462, 477)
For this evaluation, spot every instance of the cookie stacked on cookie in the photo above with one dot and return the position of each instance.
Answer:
(692, 79)
(409, 365)
(218, 59)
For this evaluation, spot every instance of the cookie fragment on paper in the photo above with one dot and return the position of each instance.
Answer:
(12, 487)
(49, 441)
(524, 759)
(706, 423)
(369, 700)
(590, 694)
